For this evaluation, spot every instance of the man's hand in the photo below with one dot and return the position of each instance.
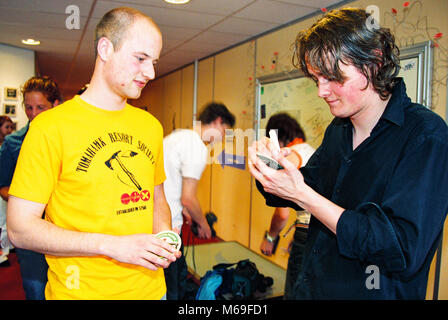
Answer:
(141, 249)
(267, 247)
(204, 231)
(287, 183)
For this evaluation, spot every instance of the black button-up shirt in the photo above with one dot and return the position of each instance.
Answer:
(394, 187)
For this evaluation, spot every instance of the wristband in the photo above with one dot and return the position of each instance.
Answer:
(269, 238)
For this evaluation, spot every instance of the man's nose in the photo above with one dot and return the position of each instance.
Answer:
(149, 71)
(323, 89)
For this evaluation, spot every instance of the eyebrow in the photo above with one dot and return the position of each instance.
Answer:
(147, 56)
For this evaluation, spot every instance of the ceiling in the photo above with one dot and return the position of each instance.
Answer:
(190, 31)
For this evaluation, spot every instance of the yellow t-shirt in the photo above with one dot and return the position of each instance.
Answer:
(96, 171)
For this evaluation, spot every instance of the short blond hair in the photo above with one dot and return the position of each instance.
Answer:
(115, 24)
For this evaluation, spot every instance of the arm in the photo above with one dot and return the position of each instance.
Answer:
(191, 203)
(162, 212)
(27, 230)
(7, 165)
(278, 222)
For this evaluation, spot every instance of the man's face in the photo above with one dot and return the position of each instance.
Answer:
(129, 68)
(215, 131)
(344, 99)
(221, 128)
(35, 103)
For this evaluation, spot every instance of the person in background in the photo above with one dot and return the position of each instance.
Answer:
(95, 164)
(84, 88)
(39, 94)
(185, 156)
(5, 127)
(377, 187)
(291, 135)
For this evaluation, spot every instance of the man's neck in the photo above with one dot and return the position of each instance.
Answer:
(101, 96)
(364, 121)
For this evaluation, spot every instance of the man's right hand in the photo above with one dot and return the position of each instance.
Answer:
(204, 231)
(267, 247)
(141, 249)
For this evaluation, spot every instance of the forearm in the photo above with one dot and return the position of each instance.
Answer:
(321, 208)
(42, 236)
(278, 221)
(27, 230)
(193, 207)
(162, 212)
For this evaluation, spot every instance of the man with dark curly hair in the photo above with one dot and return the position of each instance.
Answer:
(377, 187)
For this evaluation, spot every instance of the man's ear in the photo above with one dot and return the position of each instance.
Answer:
(104, 48)
(56, 102)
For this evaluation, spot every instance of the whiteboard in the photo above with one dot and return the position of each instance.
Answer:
(409, 73)
(416, 71)
(297, 96)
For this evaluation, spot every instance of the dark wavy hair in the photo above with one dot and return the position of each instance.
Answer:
(345, 36)
(288, 128)
(47, 86)
(213, 110)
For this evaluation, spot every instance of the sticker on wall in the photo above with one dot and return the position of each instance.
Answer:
(232, 160)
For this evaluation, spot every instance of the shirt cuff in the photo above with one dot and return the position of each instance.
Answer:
(367, 234)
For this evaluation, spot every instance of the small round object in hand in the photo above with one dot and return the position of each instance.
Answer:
(171, 237)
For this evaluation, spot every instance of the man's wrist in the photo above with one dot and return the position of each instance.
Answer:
(269, 238)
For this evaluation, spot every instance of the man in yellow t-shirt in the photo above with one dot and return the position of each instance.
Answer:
(95, 164)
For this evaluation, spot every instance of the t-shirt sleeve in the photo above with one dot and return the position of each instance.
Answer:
(38, 166)
(195, 158)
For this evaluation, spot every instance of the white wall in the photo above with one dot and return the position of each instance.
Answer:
(16, 66)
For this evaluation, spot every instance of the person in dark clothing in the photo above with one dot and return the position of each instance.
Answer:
(377, 187)
(39, 94)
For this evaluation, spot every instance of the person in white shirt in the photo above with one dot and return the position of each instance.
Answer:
(185, 158)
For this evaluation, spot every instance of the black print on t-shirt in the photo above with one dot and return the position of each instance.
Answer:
(116, 163)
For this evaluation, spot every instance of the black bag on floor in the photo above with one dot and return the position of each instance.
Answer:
(242, 281)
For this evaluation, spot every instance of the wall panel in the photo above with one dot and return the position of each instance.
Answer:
(234, 71)
(186, 112)
(204, 95)
(172, 102)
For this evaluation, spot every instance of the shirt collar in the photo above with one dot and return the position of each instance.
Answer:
(399, 100)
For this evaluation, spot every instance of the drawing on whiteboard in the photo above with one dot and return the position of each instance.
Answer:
(297, 97)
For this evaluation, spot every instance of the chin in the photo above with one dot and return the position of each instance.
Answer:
(133, 95)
